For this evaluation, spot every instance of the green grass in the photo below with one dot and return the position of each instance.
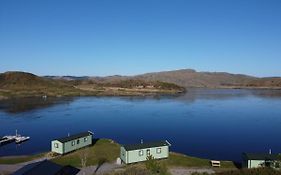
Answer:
(176, 159)
(19, 159)
(104, 150)
(181, 160)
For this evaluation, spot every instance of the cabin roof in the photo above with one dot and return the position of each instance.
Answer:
(131, 147)
(46, 168)
(73, 137)
(261, 156)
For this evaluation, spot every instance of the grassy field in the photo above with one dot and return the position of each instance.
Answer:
(106, 150)
(182, 160)
(103, 150)
(19, 159)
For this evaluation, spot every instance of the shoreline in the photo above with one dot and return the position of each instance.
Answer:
(123, 92)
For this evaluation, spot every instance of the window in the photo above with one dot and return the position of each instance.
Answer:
(85, 139)
(140, 152)
(78, 141)
(148, 152)
(73, 143)
(158, 150)
(56, 145)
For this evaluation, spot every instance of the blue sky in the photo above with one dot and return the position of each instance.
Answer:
(128, 37)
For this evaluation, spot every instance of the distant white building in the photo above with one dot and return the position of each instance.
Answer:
(251, 160)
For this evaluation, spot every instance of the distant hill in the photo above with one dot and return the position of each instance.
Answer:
(23, 84)
(69, 78)
(190, 78)
(24, 80)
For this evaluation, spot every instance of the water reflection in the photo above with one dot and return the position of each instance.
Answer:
(19, 105)
(242, 120)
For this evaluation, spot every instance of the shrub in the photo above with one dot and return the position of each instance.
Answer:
(155, 167)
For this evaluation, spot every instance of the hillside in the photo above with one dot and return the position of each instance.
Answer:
(24, 80)
(22, 84)
(191, 78)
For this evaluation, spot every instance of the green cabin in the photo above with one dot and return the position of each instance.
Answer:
(252, 160)
(71, 143)
(139, 152)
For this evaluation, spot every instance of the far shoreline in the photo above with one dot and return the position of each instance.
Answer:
(133, 93)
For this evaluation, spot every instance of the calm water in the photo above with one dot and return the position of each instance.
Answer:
(214, 124)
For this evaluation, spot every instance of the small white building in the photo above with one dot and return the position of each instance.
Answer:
(140, 152)
(252, 160)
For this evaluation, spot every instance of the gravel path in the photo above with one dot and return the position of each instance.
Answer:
(189, 171)
(104, 168)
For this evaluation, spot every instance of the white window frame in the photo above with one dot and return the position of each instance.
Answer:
(148, 152)
(73, 143)
(85, 139)
(140, 152)
(158, 150)
(56, 145)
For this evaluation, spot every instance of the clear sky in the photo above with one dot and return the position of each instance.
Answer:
(127, 37)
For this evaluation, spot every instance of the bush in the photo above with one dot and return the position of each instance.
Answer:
(155, 167)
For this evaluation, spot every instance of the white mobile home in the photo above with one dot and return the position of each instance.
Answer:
(139, 152)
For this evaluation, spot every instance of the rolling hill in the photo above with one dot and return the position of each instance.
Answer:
(24, 80)
(23, 84)
(189, 78)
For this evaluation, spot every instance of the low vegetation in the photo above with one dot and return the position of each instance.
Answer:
(105, 150)
(102, 151)
(182, 160)
(255, 171)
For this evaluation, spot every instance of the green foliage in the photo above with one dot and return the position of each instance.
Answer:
(155, 167)
(168, 86)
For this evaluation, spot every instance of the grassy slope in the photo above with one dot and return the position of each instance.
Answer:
(182, 160)
(103, 150)
(107, 150)
(20, 159)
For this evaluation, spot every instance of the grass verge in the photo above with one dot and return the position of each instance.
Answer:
(182, 160)
(104, 150)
